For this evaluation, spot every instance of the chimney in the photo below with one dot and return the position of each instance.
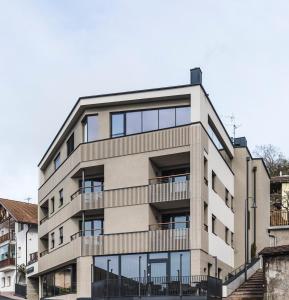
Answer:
(196, 76)
(240, 142)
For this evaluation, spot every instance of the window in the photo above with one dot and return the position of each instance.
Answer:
(20, 227)
(227, 197)
(150, 120)
(19, 252)
(8, 281)
(213, 180)
(60, 235)
(205, 216)
(167, 118)
(52, 203)
(70, 145)
(212, 133)
(205, 171)
(59, 282)
(232, 239)
(176, 221)
(92, 185)
(209, 269)
(183, 115)
(226, 235)
(7, 251)
(219, 273)
(3, 282)
(92, 227)
(90, 128)
(232, 203)
(52, 240)
(133, 122)
(117, 125)
(57, 161)
(61, 197)
(213, 224)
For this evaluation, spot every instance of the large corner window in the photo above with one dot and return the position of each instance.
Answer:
(132, 122)
(90, 128)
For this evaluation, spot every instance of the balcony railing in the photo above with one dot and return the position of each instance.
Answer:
(95, 232)
(279, 218)
(7, 262)
(43, 253)
(170, 225)
(174, 286)
(7, 237)
(43, 220)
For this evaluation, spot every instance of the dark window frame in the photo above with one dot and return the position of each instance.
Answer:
(52, 239)
(214, 224)
(60, 235)
(52, 201)
(227, 197)
(70, 144)
(227, 235)
(142, 110)
(61, 197)
(214, 181)
(57, 165)
(84, 122)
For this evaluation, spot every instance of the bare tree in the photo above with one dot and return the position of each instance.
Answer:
(274, 159)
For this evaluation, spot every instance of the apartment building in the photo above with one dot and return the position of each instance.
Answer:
(144, 193)
(18, 245)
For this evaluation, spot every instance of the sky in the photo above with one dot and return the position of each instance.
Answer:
(52, 52)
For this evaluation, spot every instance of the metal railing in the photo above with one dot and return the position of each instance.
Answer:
(171, 178)
(169, 225)
(4, 238)
(87, 189)
(43, 253)
(43, 220)
(95, 232)
(158, 286)
(279, 218)
(239, 270)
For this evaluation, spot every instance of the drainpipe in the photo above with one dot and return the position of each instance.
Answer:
(246, 215)
(83, 219)
(255, 204)
(29, 227)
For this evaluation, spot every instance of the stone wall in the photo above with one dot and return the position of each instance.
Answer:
(276, 270)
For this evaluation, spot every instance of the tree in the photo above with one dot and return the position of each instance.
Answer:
(274, 159)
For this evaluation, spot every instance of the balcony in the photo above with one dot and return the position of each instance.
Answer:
(279, 218)
(160, 189)
(7, 264)
(7, 237)
(134, 242)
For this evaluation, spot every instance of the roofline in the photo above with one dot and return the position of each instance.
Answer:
(108, 95)
(135, 92)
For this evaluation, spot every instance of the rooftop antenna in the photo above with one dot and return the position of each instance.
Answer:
(28, 199)
(232, 123)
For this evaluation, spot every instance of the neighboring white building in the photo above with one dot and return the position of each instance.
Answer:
(18, 245)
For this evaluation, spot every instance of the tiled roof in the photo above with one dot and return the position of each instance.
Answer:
(279, 250)
(21, 211)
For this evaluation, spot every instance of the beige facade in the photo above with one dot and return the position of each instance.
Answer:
(149, 180)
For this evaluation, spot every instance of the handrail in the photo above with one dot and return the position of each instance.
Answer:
(163, 225)
(170, 176)
(82, 189)
(279, 217)
(239, 270)
(82, 233)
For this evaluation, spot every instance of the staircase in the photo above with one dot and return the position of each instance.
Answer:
(252, 289)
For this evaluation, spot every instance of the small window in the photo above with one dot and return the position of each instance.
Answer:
(61, 197)
(232, 203)
(52, 205)
(90, 128)
(60, 235)
(232, 239)
(205, 216)
(57, 161)
(226, 235)
(8, 281)
(249, 219)
(19, 252)
(20, 227)
(209, 269)
(70, 145)
(219, 273)
(52, 240)
(213, 180)
(117, 125)
(3, 282)
(213, 224)
(227, 197)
